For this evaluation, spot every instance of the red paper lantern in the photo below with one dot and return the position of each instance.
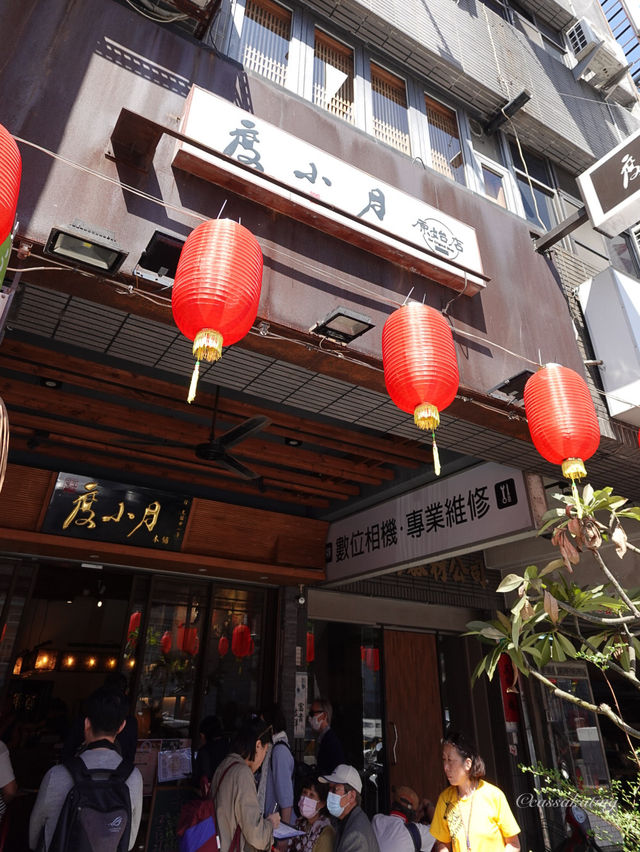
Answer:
(562, 418)
(420, 365)
(188, 641)
(223, 646)
(134, 623)
(370, 657)
(10, 173)
(216, 290)
(165, 642)
(241, 642)
(311, 648)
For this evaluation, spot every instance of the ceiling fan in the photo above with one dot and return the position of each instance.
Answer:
(216, 450)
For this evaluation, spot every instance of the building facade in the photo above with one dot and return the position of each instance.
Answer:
(378, 154)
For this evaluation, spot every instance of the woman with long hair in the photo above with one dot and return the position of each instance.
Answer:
(471, 815)
(241, 826)
(319, 834)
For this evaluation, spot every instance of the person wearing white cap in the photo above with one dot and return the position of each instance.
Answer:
(353, 832)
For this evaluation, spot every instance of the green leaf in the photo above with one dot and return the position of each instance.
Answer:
(567, 646)
(493, 663)
(557, 654)
(587, 494)
(504, 620)
(552, 514)
(510, 582)
(551, 566)
(531, 572)
(633, 512)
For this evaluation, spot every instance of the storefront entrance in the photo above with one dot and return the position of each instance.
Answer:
(189, 648)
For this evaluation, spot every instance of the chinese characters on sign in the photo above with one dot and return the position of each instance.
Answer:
(479, 505)
(298, 171)
(611, 188)
(107, 511)
(300, 710)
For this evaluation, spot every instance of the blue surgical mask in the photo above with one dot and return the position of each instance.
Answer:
(333, 804)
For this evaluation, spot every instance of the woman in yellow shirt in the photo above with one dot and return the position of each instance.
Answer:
(471, 815)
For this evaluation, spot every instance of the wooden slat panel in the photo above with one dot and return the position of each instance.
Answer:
(255, 535)
(23, 494)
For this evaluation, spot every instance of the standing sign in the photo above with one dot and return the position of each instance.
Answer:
(611, 188)
(455, 515)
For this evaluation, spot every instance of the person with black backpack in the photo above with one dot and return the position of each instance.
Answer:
(93, 801)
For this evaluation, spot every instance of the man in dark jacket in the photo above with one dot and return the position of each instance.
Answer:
(329, 751)
(353, 832)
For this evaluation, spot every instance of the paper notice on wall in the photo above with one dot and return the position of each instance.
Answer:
(174, 764)
(300, 711)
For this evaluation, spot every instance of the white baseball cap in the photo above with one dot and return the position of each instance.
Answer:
(344, 774)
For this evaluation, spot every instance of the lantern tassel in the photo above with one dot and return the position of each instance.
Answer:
(194, 382)
(436, 454)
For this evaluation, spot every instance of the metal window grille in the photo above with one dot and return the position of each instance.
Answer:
(444, 137)
(333, 76)
(264, 45)
(390, 118)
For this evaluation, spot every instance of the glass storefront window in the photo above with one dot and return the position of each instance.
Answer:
(169, 660)
(575, 734)
(236, 645)
(354, 688)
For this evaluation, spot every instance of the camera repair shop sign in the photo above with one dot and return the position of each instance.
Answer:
(484, 505)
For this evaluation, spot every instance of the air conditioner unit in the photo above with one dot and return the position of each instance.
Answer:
(603, 57)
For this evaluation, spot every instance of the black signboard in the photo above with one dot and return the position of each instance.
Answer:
(89, 508)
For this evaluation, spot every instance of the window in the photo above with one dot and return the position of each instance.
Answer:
(444, 137)
(390, 117)
(333, 76)
(494, 186)
(266, 32)
(534, 183)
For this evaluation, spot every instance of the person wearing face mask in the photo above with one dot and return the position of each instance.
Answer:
(241, 826)
(319, 834)
(329, 751)
(353, 830)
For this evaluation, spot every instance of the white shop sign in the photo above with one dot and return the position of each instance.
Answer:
(482, 505)
(303, 174)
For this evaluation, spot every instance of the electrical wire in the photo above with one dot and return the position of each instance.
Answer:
(169, 19)
(124, 186)
(271, 251)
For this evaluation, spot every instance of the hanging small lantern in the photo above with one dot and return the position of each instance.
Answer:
(10, 174)
(165, 642)
(134, 624)
(311, 648)
(216, 290)
(223, 646)
(187, 640)
(241, 642)
(562, 419)
(420, 365)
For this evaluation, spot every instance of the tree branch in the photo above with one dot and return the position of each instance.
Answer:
(625, 597)
(600, 709)
(594, 619)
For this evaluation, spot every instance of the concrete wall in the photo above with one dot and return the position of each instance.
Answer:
(72, 73)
